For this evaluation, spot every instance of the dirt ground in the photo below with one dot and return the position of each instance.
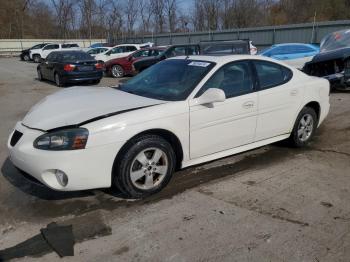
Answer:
(270, 204)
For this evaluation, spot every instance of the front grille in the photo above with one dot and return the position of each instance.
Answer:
(15, 137)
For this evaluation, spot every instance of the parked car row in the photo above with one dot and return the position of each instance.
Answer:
(332, 63)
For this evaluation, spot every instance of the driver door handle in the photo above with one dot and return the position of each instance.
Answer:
(248, 105)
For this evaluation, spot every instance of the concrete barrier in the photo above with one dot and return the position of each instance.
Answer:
(15, 46)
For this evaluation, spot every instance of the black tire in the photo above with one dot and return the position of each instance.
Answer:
(117, 71)
(96, 82)
(123, 166)
(301, 135)
(36, 58)
(58, 80)
(26, 58)
(40, 75)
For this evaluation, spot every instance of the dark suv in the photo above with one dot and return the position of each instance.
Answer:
(171, 51)
(203, 48)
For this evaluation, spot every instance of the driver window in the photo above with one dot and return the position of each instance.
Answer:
(234, 79)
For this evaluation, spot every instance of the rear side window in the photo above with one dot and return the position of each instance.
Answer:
(271, 74)
(75, 56)
(69, 45)
(130, 48)
(50, 47)
(141, 53)
(51, 57)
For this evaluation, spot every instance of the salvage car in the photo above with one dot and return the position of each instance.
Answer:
(25, 53)
(293, 54)
(180, 112)
(333, 62)
(122, 66)
(64, 67)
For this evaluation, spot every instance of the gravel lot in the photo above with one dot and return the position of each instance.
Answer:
(270, 204)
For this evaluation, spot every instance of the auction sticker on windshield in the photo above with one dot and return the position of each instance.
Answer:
(201, 64)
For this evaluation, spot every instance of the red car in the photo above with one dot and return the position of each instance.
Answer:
(122, 66)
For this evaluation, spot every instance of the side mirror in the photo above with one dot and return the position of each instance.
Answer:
(211, 96)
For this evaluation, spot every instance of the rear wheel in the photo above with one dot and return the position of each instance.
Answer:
(146, 167)
(36, 58)
(304, 127)
(117, 71)
(58, 80)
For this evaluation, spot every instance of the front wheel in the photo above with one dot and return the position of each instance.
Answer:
(145, 168)
(304, 127)
(36, 58)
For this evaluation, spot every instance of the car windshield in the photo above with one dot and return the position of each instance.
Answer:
(335, 41)
(170, 80)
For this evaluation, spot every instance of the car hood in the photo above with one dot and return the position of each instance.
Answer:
(341, 53)
(78, 105)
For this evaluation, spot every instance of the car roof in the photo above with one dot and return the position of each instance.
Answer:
(69, 52)
(220, 60)
(286, 44)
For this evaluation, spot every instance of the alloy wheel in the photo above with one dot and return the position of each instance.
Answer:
(149, 168)
(305, 127)
(117, 71)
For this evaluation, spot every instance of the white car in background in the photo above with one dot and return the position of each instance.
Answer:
(121, 51)
(180, 112)
(97, 50)
(37, 54)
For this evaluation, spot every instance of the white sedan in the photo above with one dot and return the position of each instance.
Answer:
(178, 113)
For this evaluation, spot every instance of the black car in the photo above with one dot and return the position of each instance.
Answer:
(203, 48)
(171, 51)
(25, 53)
(64, 67)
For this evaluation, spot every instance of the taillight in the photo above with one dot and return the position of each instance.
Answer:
(69, 67)
(99, 66)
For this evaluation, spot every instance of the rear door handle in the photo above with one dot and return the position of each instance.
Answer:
(248, 105)
(294, 92)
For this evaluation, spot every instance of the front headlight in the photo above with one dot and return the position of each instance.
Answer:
(66, 139)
